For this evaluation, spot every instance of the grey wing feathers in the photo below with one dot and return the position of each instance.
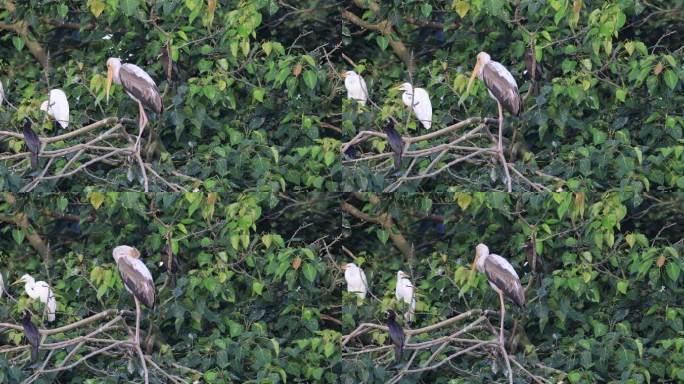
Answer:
(509, 284)
(140, 85)
(137, 281)
(501, 87)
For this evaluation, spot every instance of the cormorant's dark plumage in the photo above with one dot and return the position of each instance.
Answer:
(396, 335)
(32, 335)
(395, 142)
(32, 142)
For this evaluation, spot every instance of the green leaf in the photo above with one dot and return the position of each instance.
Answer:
(258, 94)
(310, 79)
(309, 272)
(620, 94)
(622, 286)
(18, 236)
(382, 41)
(18, 42)
(462, 7)
(382, 235)
(96, 7)
(672, 269)
(670, 78)
(257, 287)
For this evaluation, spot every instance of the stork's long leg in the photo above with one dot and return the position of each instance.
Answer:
(142, 122)
(137, 321)
(503, 313)
(500, 149)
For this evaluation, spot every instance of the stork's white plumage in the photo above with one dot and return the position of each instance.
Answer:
(356, 86)
(40, 290)
(502, 278)
(137, 280)
(138, 85)
(419, 100)
(404, 291)
(356, 280)
(57, 107)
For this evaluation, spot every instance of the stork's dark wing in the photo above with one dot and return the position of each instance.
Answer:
(140, 85)
(502, 85)
(501, 273)
(395, 142)
(137, 279)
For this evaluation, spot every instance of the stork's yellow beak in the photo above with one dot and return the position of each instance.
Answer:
(343, 75)
(110, 76)
(344, 266)
(472, 76)
(474, 265)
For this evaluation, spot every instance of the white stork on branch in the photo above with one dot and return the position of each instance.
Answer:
(40, 290)
(502, 278)
(57, 107)
(356, 280)
(356, 87)
(138, 85)
(404, 291)
(137, 280)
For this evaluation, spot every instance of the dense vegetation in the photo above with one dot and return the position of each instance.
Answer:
(603, 113)
(243, 106)
(604, 303)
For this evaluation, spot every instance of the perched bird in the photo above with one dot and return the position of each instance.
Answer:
(356, 86)
(419, 100)
(2, 93)
(32, 335)
(395, 142)
(40, 290)
(502, 278)
(2, 285)
(404, 291)
(138, 85)
(396, 335)
(499, 82)
(137, 280)
(32, 142)
(57, 106)
(356, 280)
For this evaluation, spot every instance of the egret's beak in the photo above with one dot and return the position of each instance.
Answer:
(17, 282)
(474, 265)
(472, 75)
(110, 76)
(397, 87)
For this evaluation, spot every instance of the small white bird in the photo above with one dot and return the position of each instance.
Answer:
(419, 99)
(57, 106)
(40, 290)
(356, 86)
(356, 280)
(405, 292)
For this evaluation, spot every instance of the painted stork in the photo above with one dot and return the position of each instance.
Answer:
(32, 142)
(419, 100)
(503, 89)
(395, 142)
(32, 335)
(396, 335)
(356, 280)
(137, 280)
(404, 292)
(356, 86)
(138, 85)
(502, 278)
(40, 290)
(57, 106)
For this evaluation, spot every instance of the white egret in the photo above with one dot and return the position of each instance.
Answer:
(356, 86)
(40, 290)
(138, 85)
(57, 107)
(356, 280)
(502, 278)
(404, 291)
(137, 280)
(419, 100)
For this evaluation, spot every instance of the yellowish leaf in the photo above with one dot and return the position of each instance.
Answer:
(461, 7)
